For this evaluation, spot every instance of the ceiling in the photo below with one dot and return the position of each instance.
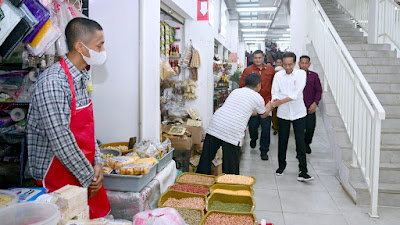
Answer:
(279, 18)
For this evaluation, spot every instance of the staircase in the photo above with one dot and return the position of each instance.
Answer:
(381, 69)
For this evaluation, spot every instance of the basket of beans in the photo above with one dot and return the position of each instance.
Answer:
(232, 189)
(191, 216)
(230, 203)
(220, 218)
(196, 178)
(179, 199)
(235, 179)
(191, 188)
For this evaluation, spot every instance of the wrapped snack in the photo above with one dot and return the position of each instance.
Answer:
(107, 170)
(135, 169)
(150, 160)
(119, 162)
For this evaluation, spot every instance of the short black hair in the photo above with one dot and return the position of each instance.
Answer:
(258, 52)
(80, 28)
(252, 80)
(305, 57)
(289, 55)
(279, 59)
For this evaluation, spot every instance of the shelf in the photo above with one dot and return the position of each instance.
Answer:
(175, 57)
(18, 102)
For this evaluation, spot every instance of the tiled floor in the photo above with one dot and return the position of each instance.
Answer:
(285, 201)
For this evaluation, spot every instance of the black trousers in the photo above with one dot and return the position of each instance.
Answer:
(284, 131)
(230, 158)
(254, 124)
(311, 121)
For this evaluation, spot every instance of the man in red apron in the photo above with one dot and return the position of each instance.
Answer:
(60, 127)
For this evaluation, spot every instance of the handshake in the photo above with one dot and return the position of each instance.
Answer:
(273, 104)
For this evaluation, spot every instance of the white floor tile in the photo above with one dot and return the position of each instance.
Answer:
(313, 219)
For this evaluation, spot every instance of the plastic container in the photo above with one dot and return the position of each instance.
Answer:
(11, 195)
(131, 183)
(216, 180)
(110, 151)
(232, 187)
(231, 213)
(116, 144)
(198, 174)
(32, 213)
(230, 199)
(178, 195)
(164, 161)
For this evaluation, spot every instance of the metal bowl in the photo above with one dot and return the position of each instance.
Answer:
(110, 151)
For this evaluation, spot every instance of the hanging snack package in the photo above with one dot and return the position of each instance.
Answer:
(41, 14)
(44, 39)
(65, 12)
(167, 38)
(162, 39)
(185, 61)
(166, 70)
(9, 18)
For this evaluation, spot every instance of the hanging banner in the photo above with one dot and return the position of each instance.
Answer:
(202, 10)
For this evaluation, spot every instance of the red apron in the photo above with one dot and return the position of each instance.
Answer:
(82, 126)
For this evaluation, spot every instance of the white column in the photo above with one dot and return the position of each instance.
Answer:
(373, 21)
(298, 27)
(149, 69)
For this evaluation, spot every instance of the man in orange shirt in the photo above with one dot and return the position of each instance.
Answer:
(267, 73)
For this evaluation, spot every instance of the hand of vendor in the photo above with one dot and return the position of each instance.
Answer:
(97, 180)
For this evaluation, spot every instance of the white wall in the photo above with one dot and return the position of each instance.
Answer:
(184, 8)
(298, 27)
(116, 84)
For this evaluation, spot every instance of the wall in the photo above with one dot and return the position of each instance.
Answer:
(298, 27)
(184, 8)
(116, 84)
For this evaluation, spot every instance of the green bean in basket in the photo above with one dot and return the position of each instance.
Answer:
(191, 217)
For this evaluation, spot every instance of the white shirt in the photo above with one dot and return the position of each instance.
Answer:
(292, 86)
(229, 122)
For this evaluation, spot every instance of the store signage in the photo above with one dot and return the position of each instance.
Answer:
(202, 10)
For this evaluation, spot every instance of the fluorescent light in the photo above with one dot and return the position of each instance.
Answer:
(288, 29)
(254, 39)
(254, 35)
(254, 29)
(258, 9)
(286, 35)
(284, 39)
(255, 21)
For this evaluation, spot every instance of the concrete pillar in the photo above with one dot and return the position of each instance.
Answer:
(373, 21)
(149, 69)
(298, 27)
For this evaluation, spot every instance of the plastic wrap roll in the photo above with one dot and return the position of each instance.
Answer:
(32, 76)
(18, 114)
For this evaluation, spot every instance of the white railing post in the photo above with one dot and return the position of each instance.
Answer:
(375, 157)
(373, 18)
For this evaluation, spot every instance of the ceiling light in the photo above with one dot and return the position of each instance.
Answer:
(288, 29)
(256, 21)
(286, 35)
(254, 29)
(254, 35)
(254, 39)
(258, 9)
(284, 39)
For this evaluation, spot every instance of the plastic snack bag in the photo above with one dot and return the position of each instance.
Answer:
(45, 38)
(120, 161)
(160, 216)
(135, 169)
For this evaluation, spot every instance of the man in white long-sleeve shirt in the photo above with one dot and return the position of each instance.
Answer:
(287, 93)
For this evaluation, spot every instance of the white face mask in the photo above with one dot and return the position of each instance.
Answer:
(96, 58)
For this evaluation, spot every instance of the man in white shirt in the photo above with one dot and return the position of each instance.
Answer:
(228, 125)
(287, 93)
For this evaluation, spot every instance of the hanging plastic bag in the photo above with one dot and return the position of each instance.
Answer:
(9, 18)
(41, 14)
(166, 70)
(45, 38)
(65, 12)
(160, 216)
(185, 60)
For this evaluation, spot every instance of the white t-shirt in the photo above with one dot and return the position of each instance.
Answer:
(229, 122)
(292, 86)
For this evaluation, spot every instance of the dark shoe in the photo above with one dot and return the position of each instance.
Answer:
(253, 143)
(304, 177)
(264, 156)
(308, 149)
(279, 172)
(275, 132)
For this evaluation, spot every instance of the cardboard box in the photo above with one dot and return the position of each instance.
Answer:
(216, 170)
(72, 201)
(197, 133)
(84, 215)
(181, 144)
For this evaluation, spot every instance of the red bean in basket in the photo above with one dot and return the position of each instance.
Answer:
(191, 188)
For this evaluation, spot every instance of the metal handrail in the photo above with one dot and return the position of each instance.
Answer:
(358, 105)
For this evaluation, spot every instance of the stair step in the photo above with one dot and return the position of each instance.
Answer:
(355, 42)
(355, 33)
(369, 47)
(346, 29)
(385, 88)
(376, 53)
(390, 138)
(382, 78)
(389, 99)
(391, 125)
(340, 19)
(381, 61)
(337, 23)
(389, 173)
(389, 194)
(354, 38)
(389, 156)
(342, 15)
(379, 69)
(392, 111)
